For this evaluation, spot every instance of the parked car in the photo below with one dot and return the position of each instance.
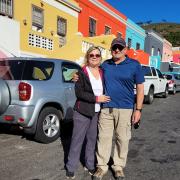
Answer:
(173, 81)
(154, 84)
(36, 94)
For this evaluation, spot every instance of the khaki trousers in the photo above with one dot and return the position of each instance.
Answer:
(119, 122)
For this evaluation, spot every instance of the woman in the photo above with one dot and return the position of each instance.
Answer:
(89, 93)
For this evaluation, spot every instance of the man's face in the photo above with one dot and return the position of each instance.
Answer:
(118, 51)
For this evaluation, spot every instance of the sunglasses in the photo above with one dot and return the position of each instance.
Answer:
(117, 46)
(94, 55)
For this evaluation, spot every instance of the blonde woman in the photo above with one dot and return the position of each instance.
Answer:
(89, 93)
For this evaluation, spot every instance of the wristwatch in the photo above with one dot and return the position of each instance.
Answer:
(138, 109)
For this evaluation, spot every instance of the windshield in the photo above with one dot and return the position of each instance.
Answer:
(26, 70)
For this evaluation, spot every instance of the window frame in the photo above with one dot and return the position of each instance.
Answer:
(94, 26)
(35, 24)
(11, 7)
(61, 20)
(129, 43)
(107, 30)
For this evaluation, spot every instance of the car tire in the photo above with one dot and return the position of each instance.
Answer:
(4, 96)
(166, 92)
(174, 90)
(150, 97)
(48, 125)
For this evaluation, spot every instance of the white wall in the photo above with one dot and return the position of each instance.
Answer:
(9, 36)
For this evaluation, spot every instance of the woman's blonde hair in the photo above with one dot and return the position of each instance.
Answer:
(92, 48)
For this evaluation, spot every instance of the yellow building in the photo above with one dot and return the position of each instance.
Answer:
(46, 28)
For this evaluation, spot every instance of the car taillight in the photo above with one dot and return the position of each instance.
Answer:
(171, 81)
(24, 91)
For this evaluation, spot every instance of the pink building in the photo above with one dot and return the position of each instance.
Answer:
(176, 55)
(167, 51)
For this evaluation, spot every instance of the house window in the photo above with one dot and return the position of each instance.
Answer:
(137, 46)
(37, 19)
(152, 51)
(61, 26)
(61, 30)
(92, 27)
(6, 8)
(129, 43)
(107, 30)
(119, 35)
(159, 52)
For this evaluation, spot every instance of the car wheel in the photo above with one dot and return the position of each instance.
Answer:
(4, 96)
(150, 97)
(166, 92)
(48, 125)
(174, 90)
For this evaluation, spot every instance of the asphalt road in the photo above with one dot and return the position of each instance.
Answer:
(154, 152)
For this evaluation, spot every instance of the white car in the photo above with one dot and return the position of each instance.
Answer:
(154, 84)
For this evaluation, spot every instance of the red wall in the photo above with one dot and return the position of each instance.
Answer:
(102, 18)
(139, 55)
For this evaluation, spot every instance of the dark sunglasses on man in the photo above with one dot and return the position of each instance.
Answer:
(117, 46)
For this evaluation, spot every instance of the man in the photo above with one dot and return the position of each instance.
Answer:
(120, 75)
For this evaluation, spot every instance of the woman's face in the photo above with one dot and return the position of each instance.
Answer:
(94, 58)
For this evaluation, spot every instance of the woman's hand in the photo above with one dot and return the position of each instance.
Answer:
(103, 98)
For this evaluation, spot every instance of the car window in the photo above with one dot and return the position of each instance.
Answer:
(68, 70)
(11, 70)
(38, 70)
(146, 70)
(154, 71)
(159, 74)
(26, 70)
(168, 77)
(177, 76)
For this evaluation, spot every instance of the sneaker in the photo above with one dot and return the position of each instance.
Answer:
(119, 174)
(90, 171)
(98, 175)
(70, 175)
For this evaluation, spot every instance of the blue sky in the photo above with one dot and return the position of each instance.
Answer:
(146, 10)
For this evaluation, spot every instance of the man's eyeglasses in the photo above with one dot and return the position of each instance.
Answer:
(117, 46)
(94, 55)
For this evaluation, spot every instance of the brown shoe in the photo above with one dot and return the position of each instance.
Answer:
(119, 174)
(98, 175)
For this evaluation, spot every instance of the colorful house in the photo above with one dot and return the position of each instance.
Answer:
(135, 36)
(154, 47)
(167, 51)
(98, 18)
(176, 55)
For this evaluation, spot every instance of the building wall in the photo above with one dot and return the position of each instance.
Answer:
(167, 51)
(104, 14)
(52, 9)
(136, 33)
(153, 39)
(9, 37)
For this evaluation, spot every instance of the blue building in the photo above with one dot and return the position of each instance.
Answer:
(135, 36)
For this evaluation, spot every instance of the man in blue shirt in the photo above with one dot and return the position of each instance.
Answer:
(120, 75)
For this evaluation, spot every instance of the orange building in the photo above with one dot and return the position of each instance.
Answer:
(97, 18)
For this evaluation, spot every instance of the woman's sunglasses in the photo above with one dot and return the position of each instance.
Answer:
(94, 55)
(117, 46)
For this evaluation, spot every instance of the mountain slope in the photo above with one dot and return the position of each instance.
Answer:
(170, 31)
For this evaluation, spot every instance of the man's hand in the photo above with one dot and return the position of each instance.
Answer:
(136, 116)
(75, 77)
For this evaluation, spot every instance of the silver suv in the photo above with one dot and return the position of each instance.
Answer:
(36, 94)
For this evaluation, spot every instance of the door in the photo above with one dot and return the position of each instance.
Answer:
(68, 70)
(162, 81)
